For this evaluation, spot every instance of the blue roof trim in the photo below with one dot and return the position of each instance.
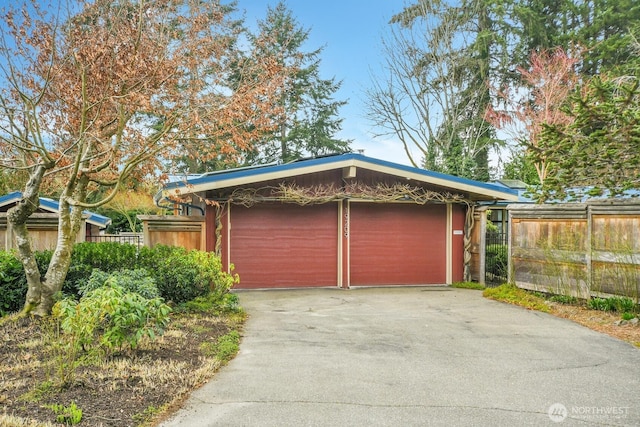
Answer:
(52, 205)
(9, 198)
(257, 171)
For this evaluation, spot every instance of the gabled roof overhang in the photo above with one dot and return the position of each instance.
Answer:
(349, 163)
(54, 207)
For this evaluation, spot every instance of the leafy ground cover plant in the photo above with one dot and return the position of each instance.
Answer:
(514, 295)
(468, 285)
(67, 415)
(618, 304)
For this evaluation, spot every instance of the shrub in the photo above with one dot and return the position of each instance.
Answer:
(183, 275)
(105, 256)
(497, 261)
(138, 281)
(12, 282)
(212, 303)
(113, 317)
(179, 275)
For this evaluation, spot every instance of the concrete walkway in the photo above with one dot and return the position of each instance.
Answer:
(415, 356)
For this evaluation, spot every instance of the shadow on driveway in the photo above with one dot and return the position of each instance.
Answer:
(414, 356)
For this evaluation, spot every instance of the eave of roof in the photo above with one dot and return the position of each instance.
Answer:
(237, 177)
(53, 206)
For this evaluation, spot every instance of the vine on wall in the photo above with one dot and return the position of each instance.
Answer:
(319, 194)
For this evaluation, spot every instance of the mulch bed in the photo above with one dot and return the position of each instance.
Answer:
(126, 390)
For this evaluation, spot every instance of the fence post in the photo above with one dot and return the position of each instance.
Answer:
(589, 255)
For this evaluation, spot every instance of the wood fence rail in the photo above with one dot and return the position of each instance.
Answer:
(579, 249)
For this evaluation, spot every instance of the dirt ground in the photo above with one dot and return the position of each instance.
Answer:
(125, 390)
(140, 390)
(600, 321)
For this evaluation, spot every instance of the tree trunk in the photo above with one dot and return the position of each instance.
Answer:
(69, 223)
(17, 217)
(42, 290)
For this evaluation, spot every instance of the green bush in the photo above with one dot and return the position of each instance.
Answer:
(105, 256)
(212, 303)
(497, 260)
(13, 281)
(138, 281)
(179, 275)
(111, 316)
(183, 275)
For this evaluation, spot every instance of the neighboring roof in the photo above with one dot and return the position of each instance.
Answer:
(250, 175)
(513, 183)
(53, 206)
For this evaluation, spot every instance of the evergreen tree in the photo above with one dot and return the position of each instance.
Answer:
(597, 152)
(308, 120)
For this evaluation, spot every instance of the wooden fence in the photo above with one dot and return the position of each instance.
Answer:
(173, 230)
(43, 230)
(582, 250)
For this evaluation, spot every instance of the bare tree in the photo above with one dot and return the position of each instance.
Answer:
(538, 102)
(94, 94)
(434, 90)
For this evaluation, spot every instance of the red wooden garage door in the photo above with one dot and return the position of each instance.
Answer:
(281, 246)
(397, 244)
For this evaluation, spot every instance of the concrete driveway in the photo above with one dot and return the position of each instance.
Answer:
(415, 356)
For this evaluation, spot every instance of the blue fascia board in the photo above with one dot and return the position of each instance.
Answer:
(257, 171)
(10, 198)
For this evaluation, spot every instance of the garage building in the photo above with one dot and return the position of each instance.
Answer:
(337, 221)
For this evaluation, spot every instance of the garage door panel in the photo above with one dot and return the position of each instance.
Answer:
(397, 244)
(285, 245)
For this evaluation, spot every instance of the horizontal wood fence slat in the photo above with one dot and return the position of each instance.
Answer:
(581, 249)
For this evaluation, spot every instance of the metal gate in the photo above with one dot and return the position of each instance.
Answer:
(496, 258)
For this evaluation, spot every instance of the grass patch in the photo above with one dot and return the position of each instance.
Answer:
(38, 393)
(145, 417)
(224, 349)
(468, 285)
(514, 295)
(13, 421)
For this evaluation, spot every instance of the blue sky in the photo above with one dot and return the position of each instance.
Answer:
(351, 33)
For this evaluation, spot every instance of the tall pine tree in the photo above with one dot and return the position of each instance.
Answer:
(308, 120)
